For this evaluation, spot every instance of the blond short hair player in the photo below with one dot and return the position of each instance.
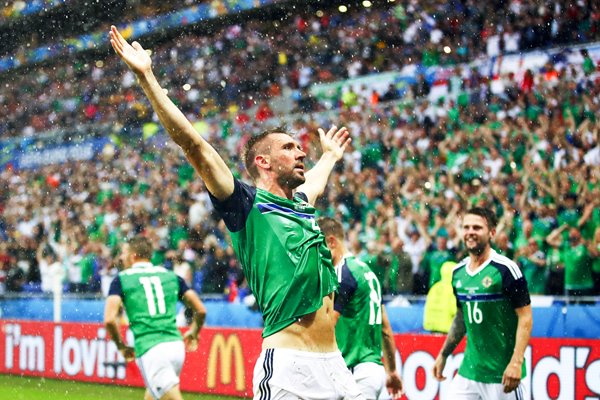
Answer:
(149, 295)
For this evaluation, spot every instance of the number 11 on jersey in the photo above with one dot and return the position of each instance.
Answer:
(150, 282)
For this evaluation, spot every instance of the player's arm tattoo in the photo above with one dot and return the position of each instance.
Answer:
(389, 347)
(455, 335)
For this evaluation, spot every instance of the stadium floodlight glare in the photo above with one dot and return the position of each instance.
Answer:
(343, 8)
(447, 49)
(367, 4)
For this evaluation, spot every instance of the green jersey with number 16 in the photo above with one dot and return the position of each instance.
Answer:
(488, 298)
(150, 297)
(358, 300)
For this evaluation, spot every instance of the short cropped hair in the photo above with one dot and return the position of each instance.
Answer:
(331, 226)
(485, 213)
(141, 247)
(251, 149)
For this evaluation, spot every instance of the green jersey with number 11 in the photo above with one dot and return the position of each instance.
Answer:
(358, 300)
(150, 296)
(488, 298)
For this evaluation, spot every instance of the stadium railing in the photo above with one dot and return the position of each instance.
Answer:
(554, 316)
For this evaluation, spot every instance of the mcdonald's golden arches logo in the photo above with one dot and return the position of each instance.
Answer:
(228, 351)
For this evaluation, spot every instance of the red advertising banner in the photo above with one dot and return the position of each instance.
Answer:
(561, 369)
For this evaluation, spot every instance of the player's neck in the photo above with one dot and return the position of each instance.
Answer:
(339, 253)
(477, 260)
(271, 186)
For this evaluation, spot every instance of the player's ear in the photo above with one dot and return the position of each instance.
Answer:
(331, 242)
(262, 161)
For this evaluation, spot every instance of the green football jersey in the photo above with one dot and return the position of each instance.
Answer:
(150, 296)
(578, 267)
(358, 300)
(488, 298)
(282, 252)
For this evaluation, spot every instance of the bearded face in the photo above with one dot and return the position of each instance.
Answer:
(476, 234)
(287, 160)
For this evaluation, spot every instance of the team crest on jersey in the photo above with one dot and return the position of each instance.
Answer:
(486, 282)
(458, 284)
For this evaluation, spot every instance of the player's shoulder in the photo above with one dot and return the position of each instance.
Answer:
(505, 265)
(145, 269)
(354, 264)
(461, 266)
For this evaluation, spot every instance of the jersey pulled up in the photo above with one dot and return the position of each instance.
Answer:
(150, 296)
(282, 252)
(488, 298)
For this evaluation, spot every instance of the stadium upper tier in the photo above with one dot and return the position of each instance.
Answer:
(237, 65)
(16, 9)
(83, 26)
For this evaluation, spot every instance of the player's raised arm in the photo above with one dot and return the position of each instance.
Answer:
(205, 159)
(333, 144)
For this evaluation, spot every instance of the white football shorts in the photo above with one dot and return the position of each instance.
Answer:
(462, 388)
(160, 367)
(370, 378)
(293, 374)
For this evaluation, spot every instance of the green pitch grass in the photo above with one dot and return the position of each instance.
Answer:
(31, 388)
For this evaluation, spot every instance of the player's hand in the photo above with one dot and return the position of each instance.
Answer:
(511, 377)
(394, 385)
(438, 368)
(128, 353)
(133, 54)
(334, 141)
(191, 341)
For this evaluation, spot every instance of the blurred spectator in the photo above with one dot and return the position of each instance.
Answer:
(15, 279)
(440, 304)
(578, 265)
(532, 262)
(215, 267)
(594, 249)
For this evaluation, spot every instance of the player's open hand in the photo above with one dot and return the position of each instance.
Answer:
(191, 341)
(394, 385)
(334, 141)
(511, 377)
(128, 353)
(133, 54)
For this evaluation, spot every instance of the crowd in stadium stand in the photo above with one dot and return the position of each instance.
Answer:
(239, 65)
(529, 150)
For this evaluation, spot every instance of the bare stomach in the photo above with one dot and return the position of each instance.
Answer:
(313, 332)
